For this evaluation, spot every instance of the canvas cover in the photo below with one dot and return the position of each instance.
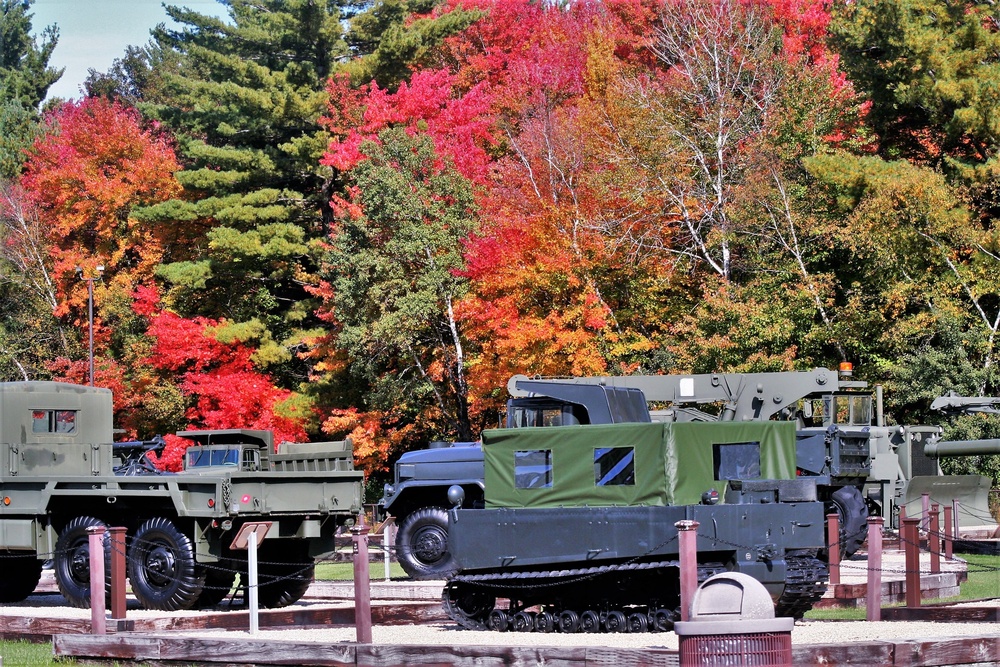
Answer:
(672, 463)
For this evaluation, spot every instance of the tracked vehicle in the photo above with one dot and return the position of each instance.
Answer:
(60, 474)
(578, 529)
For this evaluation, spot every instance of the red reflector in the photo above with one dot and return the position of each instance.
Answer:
(211, 502)
(247, 498)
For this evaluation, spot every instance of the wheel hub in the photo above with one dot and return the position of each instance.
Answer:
(160, 565)
(79, 564)
(430, 544)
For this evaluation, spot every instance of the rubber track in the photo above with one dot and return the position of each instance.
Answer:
(804, 583)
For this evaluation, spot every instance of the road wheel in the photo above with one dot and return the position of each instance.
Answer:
(72, 560)
(20, 577)
(162, 567)
(422, 545)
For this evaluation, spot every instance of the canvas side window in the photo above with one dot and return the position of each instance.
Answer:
(533, 469)
(53, 421)
(738, 460)
(614, 466)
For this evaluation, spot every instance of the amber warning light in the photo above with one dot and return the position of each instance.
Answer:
(846, 369)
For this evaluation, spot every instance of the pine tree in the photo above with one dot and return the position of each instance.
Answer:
(25, 78)
(243, 97)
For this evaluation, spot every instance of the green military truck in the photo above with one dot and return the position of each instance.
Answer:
(61, 473)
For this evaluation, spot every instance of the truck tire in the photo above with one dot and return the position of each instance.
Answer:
(852, 514)
(162, 567)
(282, 584)
(71, 562)
(219, 579)
(20, 577)
(422, 545)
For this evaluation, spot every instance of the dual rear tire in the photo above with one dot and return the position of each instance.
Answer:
(164, 572)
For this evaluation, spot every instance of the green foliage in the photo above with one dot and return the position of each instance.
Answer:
(18, 129)
(394, 265)
(243, 99)
(25, 78)
(390, 46)
(25, 74)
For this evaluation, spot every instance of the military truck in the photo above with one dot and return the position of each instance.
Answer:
(62, 474)
(578, 530)
(836, 452)
(417, 497)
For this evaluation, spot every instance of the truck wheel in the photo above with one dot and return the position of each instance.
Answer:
(21, 575)
(285, 585)
(162, 567)
(72, 560)
(852, 514)
(422, 545)
(219, 579)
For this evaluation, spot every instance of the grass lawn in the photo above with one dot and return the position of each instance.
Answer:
(330, 571)
(983, 582)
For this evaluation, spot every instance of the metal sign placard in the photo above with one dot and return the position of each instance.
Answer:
(246, 530)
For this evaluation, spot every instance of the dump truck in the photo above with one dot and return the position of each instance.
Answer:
(63, 474)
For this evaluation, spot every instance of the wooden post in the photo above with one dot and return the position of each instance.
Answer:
(934, 539)
(911, 547)
(95, 535)
(362, 584)
(874, 595)
(118, 605)
(687, 537)
(947, 533)
(833, 546)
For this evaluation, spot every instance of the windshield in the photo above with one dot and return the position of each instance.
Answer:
(848, 409)
(200, 457)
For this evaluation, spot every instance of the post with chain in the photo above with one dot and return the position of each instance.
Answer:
(947, 533)
(934, 539)
(117, 573)
(911, 549)
(95, 535)
(362, 584)
(687, 537)
(873, 597)
(833, 546)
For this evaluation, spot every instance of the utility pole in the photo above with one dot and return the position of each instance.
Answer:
(90, 313)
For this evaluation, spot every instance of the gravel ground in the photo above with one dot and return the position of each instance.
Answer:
(805, 632)
(448, 633)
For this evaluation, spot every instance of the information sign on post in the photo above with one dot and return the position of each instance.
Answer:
(249, 537)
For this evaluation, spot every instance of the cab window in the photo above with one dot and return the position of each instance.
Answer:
(533, 469)
(53, 421)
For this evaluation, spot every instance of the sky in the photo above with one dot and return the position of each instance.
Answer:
(92, 33)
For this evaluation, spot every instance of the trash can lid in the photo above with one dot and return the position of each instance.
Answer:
(731, 596)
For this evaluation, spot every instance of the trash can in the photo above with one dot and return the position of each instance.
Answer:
(733, 625)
